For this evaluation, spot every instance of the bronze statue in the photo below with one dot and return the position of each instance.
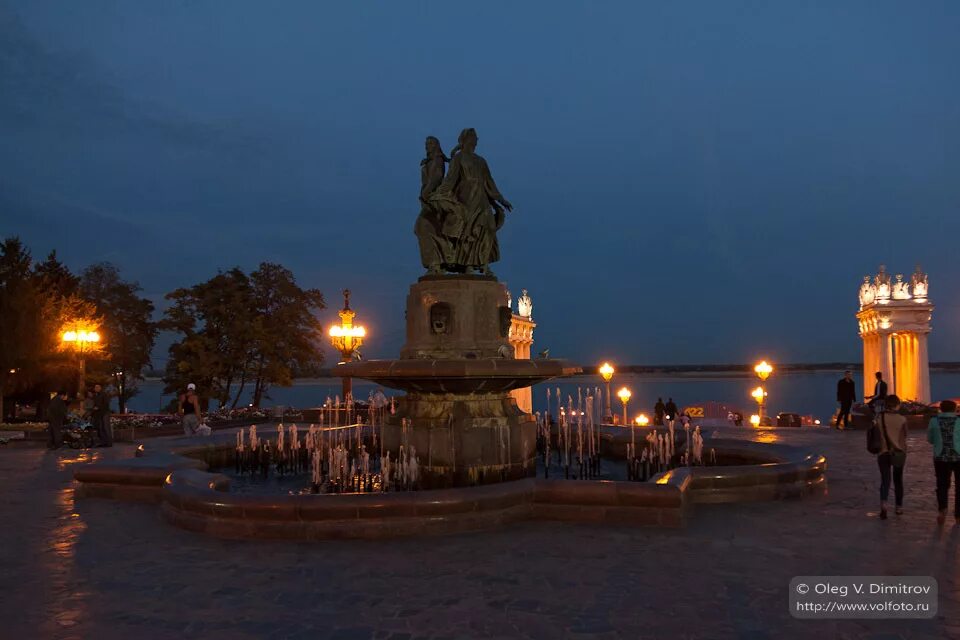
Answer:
(458, 223)
(435, 247)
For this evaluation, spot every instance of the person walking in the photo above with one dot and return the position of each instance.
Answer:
(57, 415)
(879, 393)
(893, 452)
(100, 416)
(658, 410)
(846, 394)
(943, 433)
(670, 411)
(189, 410)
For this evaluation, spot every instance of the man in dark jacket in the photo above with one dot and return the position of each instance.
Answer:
(100, 416)
(671, 410)
(879, 394)
(846, 394)
(57, 415)
(659, 410)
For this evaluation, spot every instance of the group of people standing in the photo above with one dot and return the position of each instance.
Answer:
(663, 411)
(943, 433)
(95, 407)
(847, 395)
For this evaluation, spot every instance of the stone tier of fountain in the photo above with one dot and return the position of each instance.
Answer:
(457, 368)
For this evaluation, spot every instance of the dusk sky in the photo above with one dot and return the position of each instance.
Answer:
(693, 182)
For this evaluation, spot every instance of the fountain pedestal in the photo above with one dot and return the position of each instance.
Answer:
(458, 369)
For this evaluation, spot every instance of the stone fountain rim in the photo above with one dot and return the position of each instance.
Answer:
(199, 500)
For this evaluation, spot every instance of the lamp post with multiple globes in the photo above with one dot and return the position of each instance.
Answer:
(606, 372)
(763, 370)
(346, 338)
(81, 341)
(760, 395)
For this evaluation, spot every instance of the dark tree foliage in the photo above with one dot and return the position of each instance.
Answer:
(36, 302)
(238, 331)
(127, 328)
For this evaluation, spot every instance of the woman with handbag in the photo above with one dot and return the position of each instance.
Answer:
(893, 452)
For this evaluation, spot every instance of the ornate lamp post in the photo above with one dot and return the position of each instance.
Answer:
(760, 395)
(80, 340)
(624, 395)
(606, 372)
(763, 370)
(347, 338)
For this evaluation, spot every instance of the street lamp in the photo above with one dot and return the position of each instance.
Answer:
(763, 370)
(760, 395)
(755, 420)
(82, 341)
(347, 338)
(606, 372)
(642, 420)
(624, 395)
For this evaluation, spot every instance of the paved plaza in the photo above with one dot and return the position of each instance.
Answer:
(103, 569)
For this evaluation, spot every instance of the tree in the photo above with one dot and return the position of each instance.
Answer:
(18, 297)
(238, 330)
(128, 330)
(36, 302)
(288, 333)
(216, 321)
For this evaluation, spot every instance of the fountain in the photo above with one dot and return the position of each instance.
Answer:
(456, 428)
(457, 368)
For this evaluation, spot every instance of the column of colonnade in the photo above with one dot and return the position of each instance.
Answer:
(923, 366)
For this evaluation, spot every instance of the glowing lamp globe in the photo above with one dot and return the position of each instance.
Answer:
(624, 395)
(642, 420)
(606, 371)
(80, 336)
(763, 370)
(755, 420)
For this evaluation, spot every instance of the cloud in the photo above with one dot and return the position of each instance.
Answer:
(69, 94)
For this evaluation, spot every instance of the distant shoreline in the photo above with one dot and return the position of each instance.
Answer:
(683, 370)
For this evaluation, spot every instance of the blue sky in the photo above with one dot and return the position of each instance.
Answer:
(692, 181)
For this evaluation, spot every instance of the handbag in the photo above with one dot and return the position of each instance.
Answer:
(874, 441)
(898, 457)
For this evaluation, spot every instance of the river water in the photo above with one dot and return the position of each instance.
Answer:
(807, 393)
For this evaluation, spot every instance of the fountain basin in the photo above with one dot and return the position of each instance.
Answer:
(457, 375)
(202, 501)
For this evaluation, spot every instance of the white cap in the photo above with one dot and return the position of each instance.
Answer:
(191, 387)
